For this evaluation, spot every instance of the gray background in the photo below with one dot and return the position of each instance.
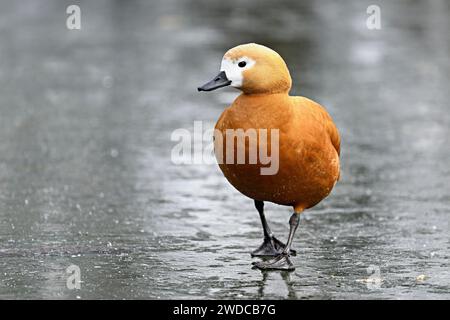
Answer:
(85, 170)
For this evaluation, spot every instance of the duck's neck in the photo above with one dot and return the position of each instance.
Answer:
(271, 109)
(262, 99)
(265, 93)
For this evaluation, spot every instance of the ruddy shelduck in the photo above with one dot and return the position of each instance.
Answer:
(308, 145)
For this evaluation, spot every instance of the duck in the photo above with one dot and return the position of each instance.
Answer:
(308, 145)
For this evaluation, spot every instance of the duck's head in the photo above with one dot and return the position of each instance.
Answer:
(252, 68)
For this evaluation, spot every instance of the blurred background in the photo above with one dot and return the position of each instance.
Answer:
(86, 177)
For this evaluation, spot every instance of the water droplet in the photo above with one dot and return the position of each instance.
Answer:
(421, 277)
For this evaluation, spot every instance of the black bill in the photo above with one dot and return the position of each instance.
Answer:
(219, 81)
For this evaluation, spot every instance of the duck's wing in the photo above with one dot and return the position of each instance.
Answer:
(323, 116)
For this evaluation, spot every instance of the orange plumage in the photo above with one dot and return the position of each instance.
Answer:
(308, 149)
(308, 144)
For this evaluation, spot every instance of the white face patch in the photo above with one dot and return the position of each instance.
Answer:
(234, 69)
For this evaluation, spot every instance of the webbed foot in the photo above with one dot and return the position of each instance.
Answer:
(271, 247)
(280, 262)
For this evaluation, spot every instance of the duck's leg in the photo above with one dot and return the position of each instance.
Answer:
(282, 261)
(271, 246)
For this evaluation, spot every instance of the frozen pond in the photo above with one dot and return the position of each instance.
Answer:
(86, 177)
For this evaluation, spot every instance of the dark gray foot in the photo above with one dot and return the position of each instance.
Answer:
(281, 262)
(271, 247)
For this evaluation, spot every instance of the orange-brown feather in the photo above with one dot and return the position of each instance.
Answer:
(308, 149)
(309, 142)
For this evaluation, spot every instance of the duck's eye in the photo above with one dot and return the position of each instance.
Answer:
(242, 64)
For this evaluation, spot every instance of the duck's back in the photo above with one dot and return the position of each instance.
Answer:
(309, 146)
(314, 116)
(322, 117)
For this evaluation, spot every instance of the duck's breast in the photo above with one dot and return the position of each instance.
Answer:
(307, 164)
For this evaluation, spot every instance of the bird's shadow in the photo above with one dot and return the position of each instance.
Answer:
(269, 276)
